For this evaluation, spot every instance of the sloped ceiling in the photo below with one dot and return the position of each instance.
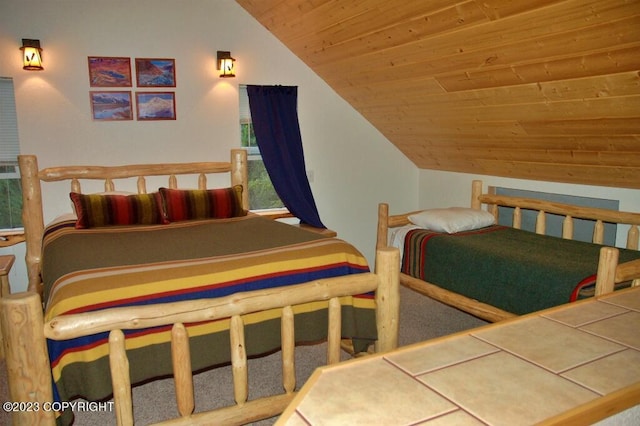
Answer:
(532, 89)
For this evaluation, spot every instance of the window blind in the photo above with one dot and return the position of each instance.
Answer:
(245, 113)
(9, 145)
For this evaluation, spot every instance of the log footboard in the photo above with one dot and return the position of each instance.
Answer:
(21, 318)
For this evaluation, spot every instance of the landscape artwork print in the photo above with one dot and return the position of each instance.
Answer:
(152, 72)
(109, 71)
(111, 106)
(156, 105)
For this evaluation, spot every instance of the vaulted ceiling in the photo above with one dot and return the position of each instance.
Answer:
(532, 89)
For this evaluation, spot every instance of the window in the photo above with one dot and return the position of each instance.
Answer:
(262, 196)
(10, 187)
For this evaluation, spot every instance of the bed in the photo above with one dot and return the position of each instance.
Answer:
(495, 272)
(167, 282)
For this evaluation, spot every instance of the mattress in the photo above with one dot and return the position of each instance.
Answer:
(514, 270)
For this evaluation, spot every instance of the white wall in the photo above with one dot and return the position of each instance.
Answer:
(445, 189)
(354, 166)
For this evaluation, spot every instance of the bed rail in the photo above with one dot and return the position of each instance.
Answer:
(32, 178)
(28, 367)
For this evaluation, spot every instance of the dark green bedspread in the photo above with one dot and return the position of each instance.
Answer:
(514, 270)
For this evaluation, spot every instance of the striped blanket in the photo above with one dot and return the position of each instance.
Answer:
(91, 269)
(515, 270)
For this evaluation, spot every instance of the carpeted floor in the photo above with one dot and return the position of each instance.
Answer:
(420, 319)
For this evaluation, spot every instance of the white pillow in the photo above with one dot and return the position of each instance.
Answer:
(452, 220)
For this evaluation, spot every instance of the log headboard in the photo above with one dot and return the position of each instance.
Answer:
(32, 178)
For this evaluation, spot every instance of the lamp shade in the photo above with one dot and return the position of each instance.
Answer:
(31, 55)
(226, 64)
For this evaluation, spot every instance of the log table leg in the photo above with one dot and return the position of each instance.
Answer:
(5, 267)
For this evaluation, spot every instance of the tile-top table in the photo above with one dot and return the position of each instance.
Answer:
(579, 362)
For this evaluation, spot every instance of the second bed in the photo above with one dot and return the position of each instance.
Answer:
(461, 257)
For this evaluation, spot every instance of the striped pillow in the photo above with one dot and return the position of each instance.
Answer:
(96, 210)
(187, 204)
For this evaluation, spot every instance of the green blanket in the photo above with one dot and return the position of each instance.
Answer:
(514, 270)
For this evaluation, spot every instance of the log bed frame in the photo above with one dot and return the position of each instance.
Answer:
(24, 330)
(607, 275)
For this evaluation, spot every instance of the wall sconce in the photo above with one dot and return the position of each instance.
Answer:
(226, 64)
(31, 55)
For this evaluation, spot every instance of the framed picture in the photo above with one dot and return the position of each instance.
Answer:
(156, 105)
(107, 71)
(155, 72)
(111, 106)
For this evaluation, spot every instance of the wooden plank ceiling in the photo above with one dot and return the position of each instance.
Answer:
(532, 89)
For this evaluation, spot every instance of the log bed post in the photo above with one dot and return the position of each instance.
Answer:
(383, 225)
(32, 218)
(476, 191)
(605, 278)
(387, 298)
(28, 371)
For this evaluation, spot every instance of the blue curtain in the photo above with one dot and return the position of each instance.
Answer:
(274, 114)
